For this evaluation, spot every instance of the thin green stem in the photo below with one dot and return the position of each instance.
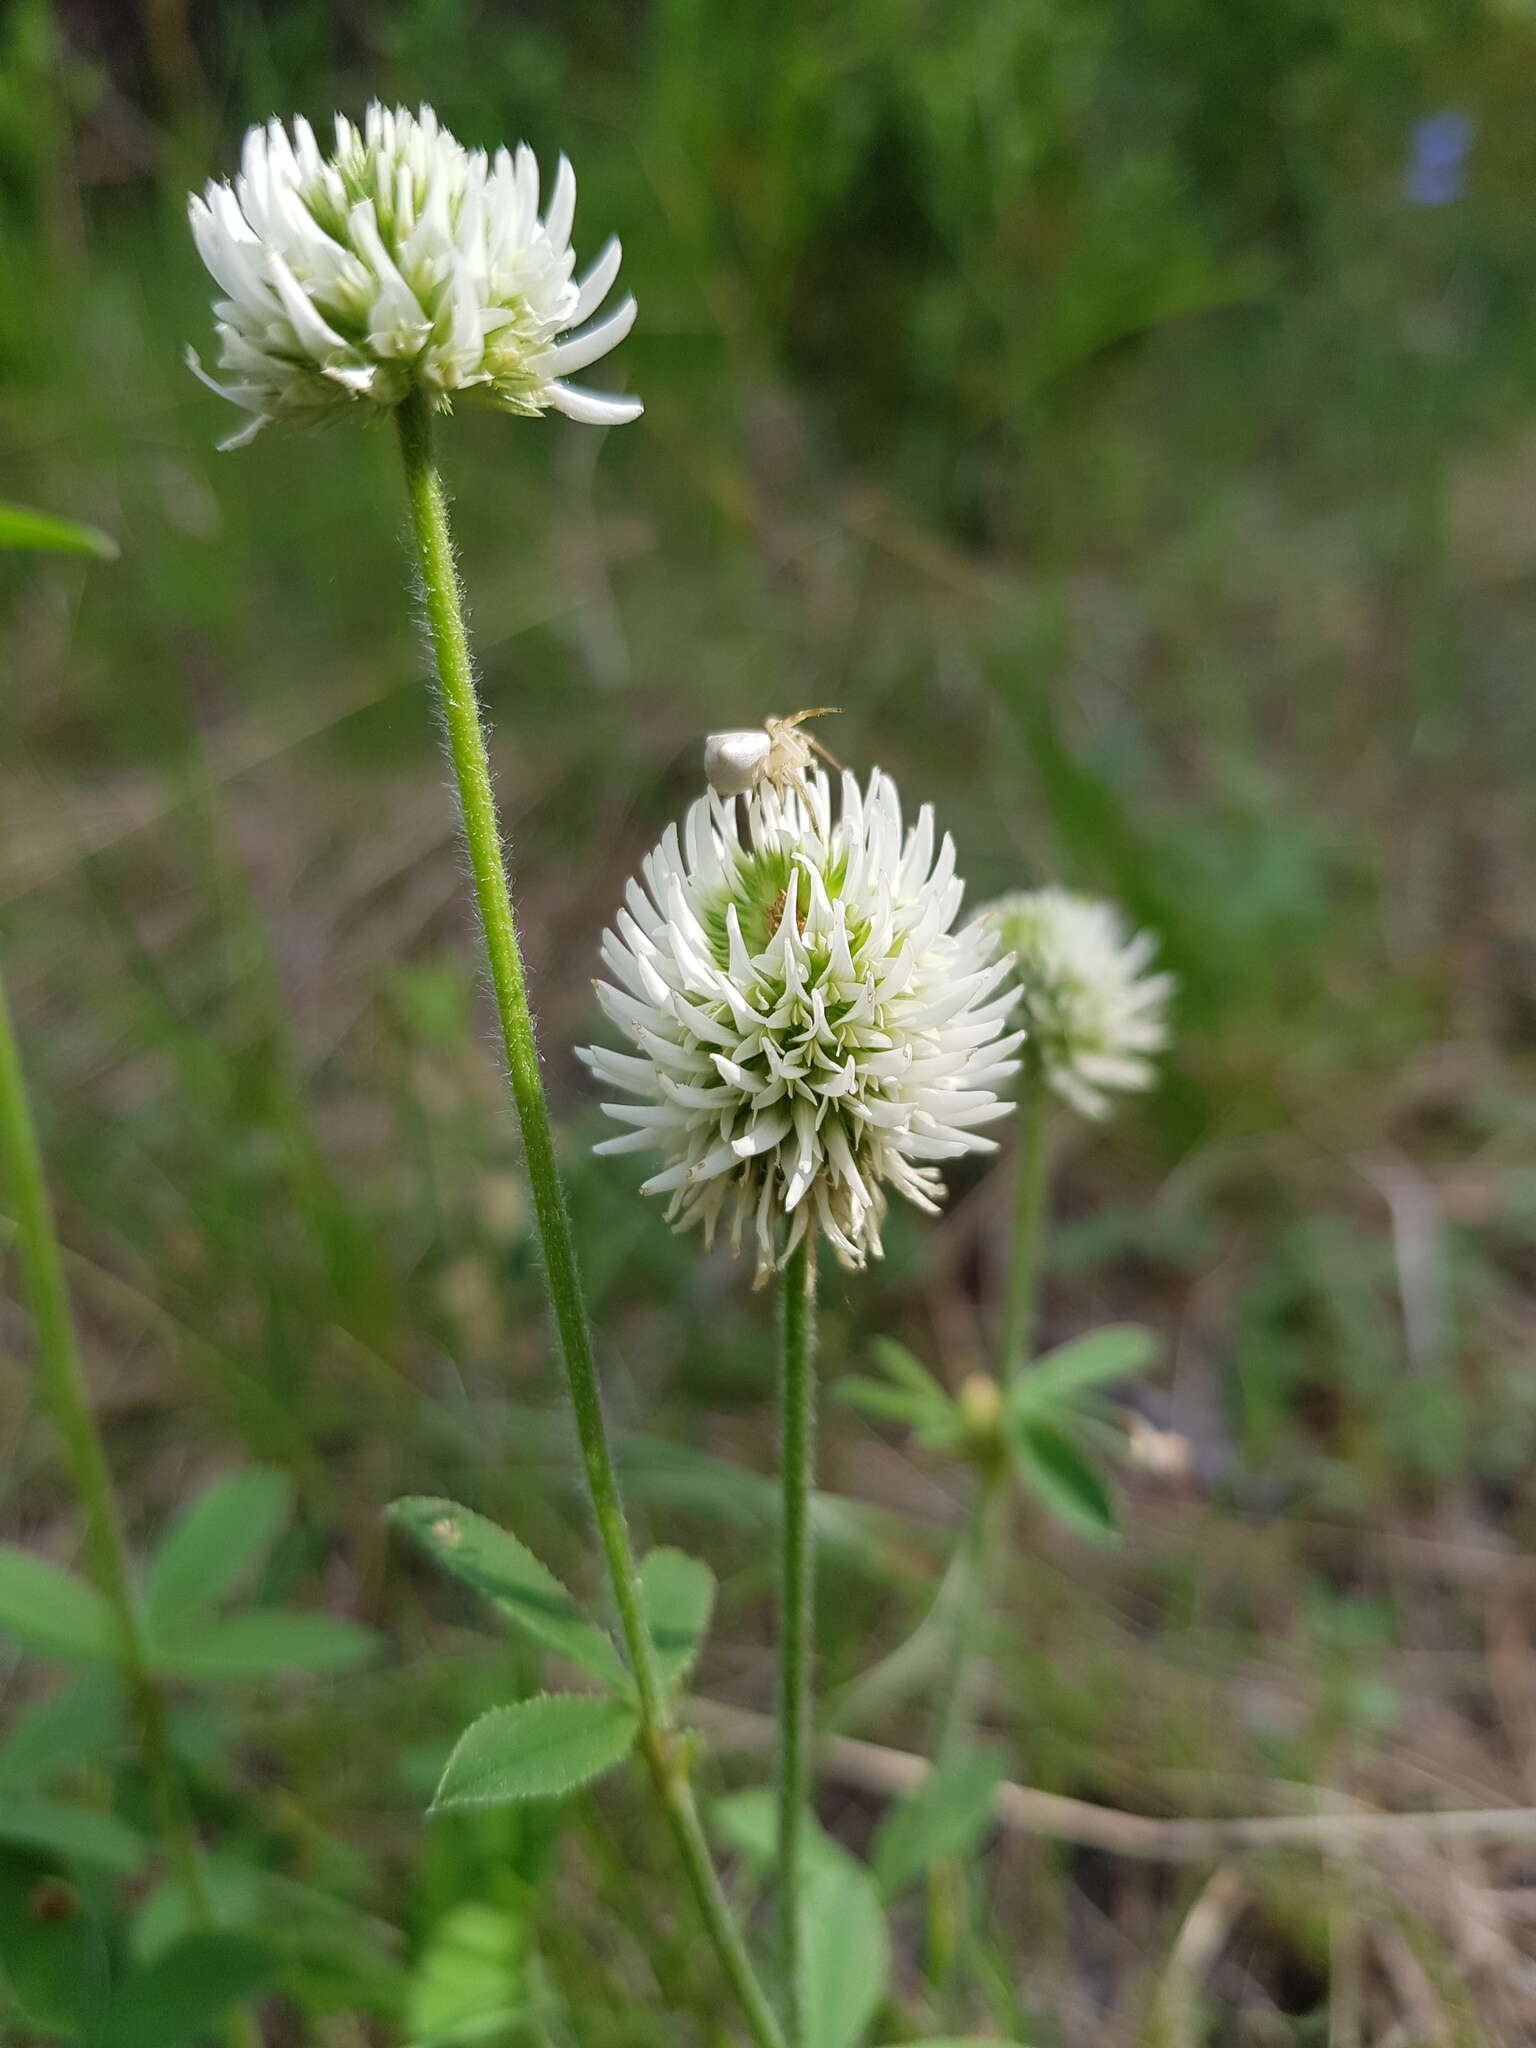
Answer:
(472, 772)
(68, 1402)
(977, 1557)
(669, 1776)
(1031, 1170)
(948, 1892)
(797, 1453)
(975, 1561)
(443, 603)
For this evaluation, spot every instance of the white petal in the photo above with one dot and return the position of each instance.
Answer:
(593, 408)
(586, 348)
(562, 205)
(597, 283)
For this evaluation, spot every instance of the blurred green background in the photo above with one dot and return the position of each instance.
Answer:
(1126, 411)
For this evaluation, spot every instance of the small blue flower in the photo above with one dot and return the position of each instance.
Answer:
(1436, 172)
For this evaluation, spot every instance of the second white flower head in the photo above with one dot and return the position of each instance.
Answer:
(807, 1026)
(400, 261)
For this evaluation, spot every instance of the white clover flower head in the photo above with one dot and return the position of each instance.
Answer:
(399, 262)
(808, 1028)
(1093, 1014)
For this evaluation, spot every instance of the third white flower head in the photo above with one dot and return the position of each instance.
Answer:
(1093, 1013)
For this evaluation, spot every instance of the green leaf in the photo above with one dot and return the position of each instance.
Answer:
(470, 1983)
(1094, 1360)
(962, 2041)
(1067, 1481)
(51, 1611)
(906, 1368)
(908, 1394)
(262, 1641)
(216, 1543)
(536, 1750)
(748, 1823)
(52, 1952)
(846, 1955)
(80, 1723)
(506, 1571)
(32, 1821)
(320, 1943)
(46, 533)
(678, 1593)
(174, 2000)
(947, 1816)
(885, 1403)
(663, 1473)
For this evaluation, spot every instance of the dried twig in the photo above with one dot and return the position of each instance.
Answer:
(1424, 2017)
(1201, 1939)
(1025, 1809)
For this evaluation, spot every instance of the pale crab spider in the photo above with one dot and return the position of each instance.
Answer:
(736, 763)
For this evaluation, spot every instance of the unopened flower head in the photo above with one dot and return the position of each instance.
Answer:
(808, 1027)
(400, 261)
(1093, 1014)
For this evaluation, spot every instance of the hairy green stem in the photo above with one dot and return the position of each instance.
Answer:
(68, 1402)
(669, 1775)
(465, 733)
(797, 1452)
(1031, 1169)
